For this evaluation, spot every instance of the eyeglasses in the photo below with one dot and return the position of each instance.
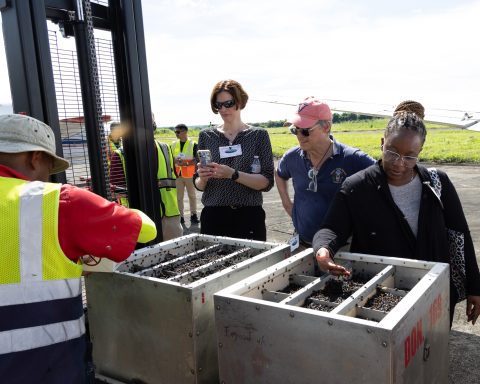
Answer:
(227, 104)
(312, 175)
(178, 132)
(392, 157)
(304, 131)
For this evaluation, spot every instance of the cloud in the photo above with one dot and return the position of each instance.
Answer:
(372, 51)
(354, 52)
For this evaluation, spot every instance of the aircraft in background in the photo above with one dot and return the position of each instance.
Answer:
(464, 119)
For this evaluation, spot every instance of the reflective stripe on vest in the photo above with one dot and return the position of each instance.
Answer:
(185, 171)
(24, 339)
(33, 267)
(35, 291)
(166, 181)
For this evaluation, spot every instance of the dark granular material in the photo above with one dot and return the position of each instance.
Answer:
(317, 306)
(383, 301)
(134, 268)
(198, 258)
(213, 269)
(172, 270)
(335, 291)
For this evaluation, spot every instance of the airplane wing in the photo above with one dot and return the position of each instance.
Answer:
(452, 117)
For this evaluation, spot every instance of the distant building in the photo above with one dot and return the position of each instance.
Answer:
(74, 143)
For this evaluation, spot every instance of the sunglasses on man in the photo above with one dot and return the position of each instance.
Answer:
(227, 104)
(304, 131)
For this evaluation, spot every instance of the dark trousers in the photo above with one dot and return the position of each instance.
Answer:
(453, 301)
(239, 222)
(59, 363)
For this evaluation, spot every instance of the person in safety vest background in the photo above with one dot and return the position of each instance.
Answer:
(46, 228)
(114, 139)
(166, 176)
(184, 153)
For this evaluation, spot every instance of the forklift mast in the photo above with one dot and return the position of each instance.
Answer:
(39, 87)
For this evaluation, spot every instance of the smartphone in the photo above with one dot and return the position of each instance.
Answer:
(205, 157)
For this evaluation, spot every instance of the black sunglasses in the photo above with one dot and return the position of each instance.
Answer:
(178, 132)
(304, 131)
(227, 104)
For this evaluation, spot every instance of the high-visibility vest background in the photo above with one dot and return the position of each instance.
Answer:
(122, 197)
(185, 171)
(112, 147)
(41, 313)
(166, 181)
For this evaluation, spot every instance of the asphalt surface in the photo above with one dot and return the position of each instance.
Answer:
(464, 337)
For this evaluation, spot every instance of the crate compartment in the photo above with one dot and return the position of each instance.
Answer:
(332, 293)
(336, 331)
(295, 284)
(152, 320)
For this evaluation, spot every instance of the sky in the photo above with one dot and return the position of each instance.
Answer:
(370, 51)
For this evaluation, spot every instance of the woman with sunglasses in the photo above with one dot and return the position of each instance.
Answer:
(317, 167)
(232, 188)
(399, 208)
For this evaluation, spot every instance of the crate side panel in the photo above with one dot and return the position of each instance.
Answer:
(268, 344)
(203, 311)
(421, 337)
(140, 329)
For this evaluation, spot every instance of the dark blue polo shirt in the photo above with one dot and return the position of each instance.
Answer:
(309, 208)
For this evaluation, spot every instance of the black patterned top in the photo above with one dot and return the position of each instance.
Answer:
(225, 192)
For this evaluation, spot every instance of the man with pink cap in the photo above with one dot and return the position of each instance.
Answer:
(317, 167)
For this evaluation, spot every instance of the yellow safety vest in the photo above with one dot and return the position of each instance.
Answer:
(112, 147)
(185, 171)
(122, 197)
(166, 181)
(33, 268)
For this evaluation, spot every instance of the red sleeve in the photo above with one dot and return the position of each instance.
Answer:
(90, 225)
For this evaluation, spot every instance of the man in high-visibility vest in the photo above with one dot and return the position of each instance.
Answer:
(169, 211)
(114, 139)
(166, 180)
(46, 228)
(185, 152)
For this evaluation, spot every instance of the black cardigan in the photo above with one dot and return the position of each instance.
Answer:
(364, 209)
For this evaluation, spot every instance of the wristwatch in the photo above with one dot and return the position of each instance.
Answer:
(235, 175)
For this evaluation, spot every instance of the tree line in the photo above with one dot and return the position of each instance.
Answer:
(337, 118)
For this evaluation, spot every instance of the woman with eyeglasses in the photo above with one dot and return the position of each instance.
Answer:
(399, 208)
(232, 187)
(317, 167)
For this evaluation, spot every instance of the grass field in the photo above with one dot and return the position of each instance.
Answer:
(443, 145)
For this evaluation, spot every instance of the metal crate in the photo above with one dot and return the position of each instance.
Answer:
(153, 321)
(388, 324)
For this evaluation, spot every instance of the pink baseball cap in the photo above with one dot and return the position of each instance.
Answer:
(309, 112)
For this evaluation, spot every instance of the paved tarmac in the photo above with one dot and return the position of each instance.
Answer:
(464, 338)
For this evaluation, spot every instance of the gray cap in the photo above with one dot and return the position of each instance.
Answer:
(19, 133)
